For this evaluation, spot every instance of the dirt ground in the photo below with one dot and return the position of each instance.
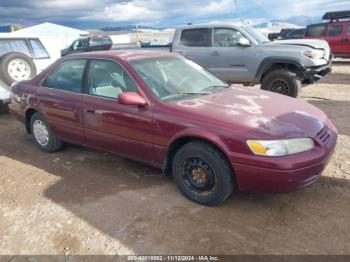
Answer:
(81, 201)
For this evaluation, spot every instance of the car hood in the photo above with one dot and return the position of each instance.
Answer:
(311, 43)
(257, 114)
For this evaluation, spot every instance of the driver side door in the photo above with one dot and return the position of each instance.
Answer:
(122, 129)
(228, 60)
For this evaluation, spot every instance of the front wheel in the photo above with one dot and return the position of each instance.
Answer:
(42, 134)
(203, 173)
(282, 82)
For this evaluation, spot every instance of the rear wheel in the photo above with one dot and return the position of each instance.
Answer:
(282, 82)
(203, 173)
(16, 67)
(42, 134)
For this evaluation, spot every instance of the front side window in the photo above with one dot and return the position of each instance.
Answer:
(316, 30)
(67, 76)
(226, 37)
(335, 30)
(109, 79)
(198, 37)
(14, 45)
(38, 49)
(172, 78)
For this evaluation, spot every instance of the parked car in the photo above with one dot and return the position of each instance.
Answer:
(88, 44)
(4, 99)
(336, 32)
(169, 112)
(21, 58)
(298, 33)
(240, 54)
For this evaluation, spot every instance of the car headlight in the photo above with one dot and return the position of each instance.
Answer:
(314, 54)
(283, 147)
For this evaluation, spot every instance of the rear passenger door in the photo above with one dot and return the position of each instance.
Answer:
(60, 100)
(194, 44)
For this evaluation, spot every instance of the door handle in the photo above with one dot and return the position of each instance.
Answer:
(91, 111)
(344, 40)
(215, 53)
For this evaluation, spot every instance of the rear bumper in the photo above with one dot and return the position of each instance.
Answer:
(4, 104)
(278, 178)
(313, 74)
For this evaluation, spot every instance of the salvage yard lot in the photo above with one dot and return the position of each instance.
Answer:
(81, 201)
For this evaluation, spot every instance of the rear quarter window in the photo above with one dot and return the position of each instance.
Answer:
(100, 41)
(14, 45)
(195, 37)
(38, 49)
(316, 30)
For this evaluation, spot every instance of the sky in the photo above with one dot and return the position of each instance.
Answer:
(162, 13)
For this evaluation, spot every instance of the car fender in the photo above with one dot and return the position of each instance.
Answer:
(267, 62)
(193, 134)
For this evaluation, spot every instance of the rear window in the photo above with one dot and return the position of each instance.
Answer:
(38, 49)
(316, 30)
(195, 37)
(98, 41)
(14, 45)
(335, 30)
(298, 32)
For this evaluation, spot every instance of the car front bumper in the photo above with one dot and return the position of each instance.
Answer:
(280, 179)
(313, 74)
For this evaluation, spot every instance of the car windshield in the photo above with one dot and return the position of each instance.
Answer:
(171, 78)
(259, 37)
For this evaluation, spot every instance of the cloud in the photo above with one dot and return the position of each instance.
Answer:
(135, 11)
(83, 13)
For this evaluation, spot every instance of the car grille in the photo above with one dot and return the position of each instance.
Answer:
(324, 135)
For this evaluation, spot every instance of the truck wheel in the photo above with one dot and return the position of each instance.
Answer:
(16, 67)
(42, 134)
(203, 173)
(283, 82)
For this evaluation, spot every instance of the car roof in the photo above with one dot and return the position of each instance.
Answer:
(126, 55)
(210, 26)
(16, 36)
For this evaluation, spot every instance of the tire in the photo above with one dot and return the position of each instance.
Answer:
(25, 68)
(53, 143)
(192, 160)
(282, 82)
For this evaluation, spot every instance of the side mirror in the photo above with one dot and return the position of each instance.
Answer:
(131, 98)
(242, 41)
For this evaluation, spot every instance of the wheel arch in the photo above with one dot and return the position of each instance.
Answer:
(269, 64)
(185, 138)
(28, 115)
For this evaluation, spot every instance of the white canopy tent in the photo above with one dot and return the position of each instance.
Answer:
(54, 37)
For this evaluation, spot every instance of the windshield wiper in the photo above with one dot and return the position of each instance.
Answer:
(213, 88)
(185, 93)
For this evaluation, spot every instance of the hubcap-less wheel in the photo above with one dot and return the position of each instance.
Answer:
(19, 70)
(41, 132)
(198, 175)
(280, 86)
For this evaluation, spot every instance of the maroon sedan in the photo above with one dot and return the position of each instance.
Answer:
(166, 111)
